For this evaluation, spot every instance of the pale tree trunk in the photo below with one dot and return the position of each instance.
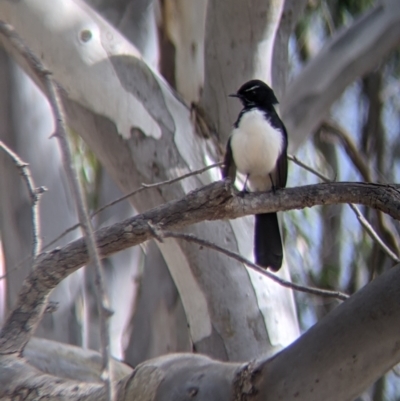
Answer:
(238, 46)
(184, 23)
(136, 20)
(122, 273)
(291, 13)
(7, 169)
(139, 25)
(159, 325)
(5, 130)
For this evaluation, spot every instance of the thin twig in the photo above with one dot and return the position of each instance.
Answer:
(310, 290)
(363, 221)
(350, 148)
(373, 234)
(101, 298)
(368, 173)
(61, 133)
(361, 164)
(34, 194)
(295, 160)
(134, 192)
(62, 235)
(157, 184)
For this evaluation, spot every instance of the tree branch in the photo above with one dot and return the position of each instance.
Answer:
(343, 354)
(238, 46)
(363, 221)
(213, 202)
(309, 290)
(389, 231)
(130, 194)
(350, 148)
(34, 194)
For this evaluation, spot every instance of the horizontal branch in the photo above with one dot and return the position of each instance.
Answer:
(213, 202)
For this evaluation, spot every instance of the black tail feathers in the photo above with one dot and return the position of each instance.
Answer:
(267, 241)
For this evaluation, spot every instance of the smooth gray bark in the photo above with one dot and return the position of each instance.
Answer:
(238, 46)
(184, 23)
(159, 325)
(139, 25)
(362, 342)
(291, 13)
(70, 362)
(122, 273)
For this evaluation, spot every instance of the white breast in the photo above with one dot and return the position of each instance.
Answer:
(256, 146)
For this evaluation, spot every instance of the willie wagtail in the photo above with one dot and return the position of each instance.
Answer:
(257, 148)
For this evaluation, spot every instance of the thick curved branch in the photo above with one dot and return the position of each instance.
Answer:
(213, 202)
(336, 359)
(362, 334)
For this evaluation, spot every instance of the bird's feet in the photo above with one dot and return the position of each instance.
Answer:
(273, 187)
(243, 192)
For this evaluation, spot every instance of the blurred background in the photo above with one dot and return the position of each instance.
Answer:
(326, 247)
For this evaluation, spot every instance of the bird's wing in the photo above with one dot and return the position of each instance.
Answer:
(229, 167)
(281, 170)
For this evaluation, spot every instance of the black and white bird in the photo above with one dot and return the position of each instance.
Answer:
(257, 148)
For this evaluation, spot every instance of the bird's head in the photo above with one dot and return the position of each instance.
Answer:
(256, 93)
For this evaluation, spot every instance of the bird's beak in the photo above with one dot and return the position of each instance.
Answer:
(234, 95)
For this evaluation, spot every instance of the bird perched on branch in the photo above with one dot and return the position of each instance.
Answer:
(257, 148)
